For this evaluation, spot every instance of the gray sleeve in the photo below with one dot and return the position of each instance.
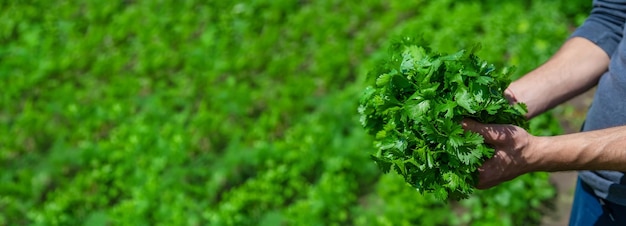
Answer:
(605, 24)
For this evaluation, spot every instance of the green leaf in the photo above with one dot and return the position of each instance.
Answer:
(484, 80)
(452, 77)
(473, 138)
(383, 80)
(429, 160)
(441, 193)
(464, 99)
(417, 109)
(455, 141)
(367, 94)
(399, 165)
(384, 165)
(492, 108)
(431, 91)
(521, 108)
(454, 57)
(446, 108)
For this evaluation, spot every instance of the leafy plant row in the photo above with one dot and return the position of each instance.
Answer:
(232, 113)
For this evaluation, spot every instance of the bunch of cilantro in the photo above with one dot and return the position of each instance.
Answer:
(414, 110)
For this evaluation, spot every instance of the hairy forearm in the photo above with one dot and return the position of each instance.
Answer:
(575, 68)
(594, 150)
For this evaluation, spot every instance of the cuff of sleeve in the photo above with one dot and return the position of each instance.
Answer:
(598, 34)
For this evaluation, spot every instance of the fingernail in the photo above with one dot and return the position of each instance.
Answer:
(464, 122)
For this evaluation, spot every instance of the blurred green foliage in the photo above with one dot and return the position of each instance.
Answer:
(234, 112)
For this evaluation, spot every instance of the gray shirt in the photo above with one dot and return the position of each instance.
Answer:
(605, 27)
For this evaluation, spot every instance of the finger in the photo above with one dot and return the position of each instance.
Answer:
(493, 133)
(498, 169)
(485, 130)
(486, 177)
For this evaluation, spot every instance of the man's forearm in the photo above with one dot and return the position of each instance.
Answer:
(575, 68)
(594, 150)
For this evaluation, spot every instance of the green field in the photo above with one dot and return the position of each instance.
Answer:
(236, 113)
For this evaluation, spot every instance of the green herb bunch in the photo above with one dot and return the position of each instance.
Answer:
(415, 109)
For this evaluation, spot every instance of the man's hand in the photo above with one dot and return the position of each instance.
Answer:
(518, 152)
(512, 146)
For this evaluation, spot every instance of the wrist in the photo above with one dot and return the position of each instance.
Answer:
(536, 156)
